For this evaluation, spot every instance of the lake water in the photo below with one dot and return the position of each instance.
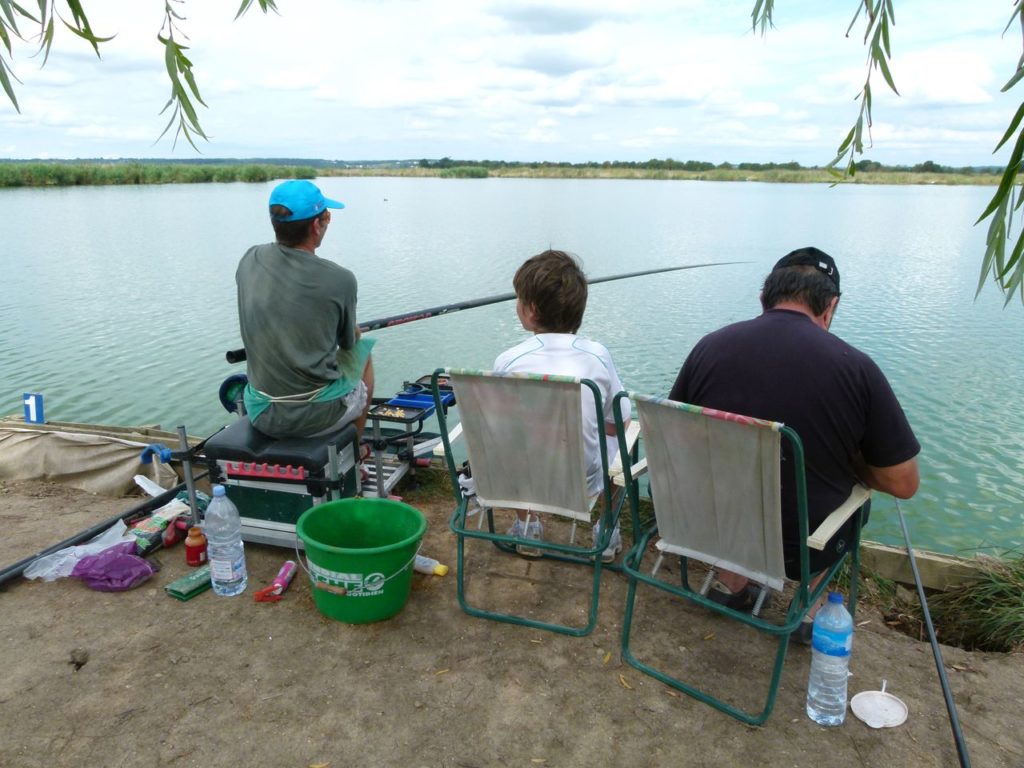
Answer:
(119, 302)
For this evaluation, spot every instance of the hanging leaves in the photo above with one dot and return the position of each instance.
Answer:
(1007, 204)
(184, 89)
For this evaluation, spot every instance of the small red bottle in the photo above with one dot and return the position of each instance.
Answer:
(195, 546)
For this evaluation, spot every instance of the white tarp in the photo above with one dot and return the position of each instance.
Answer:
(94, 463)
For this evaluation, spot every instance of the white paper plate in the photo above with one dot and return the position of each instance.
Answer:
(879, 709)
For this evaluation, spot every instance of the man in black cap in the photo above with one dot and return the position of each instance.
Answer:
(785, 366)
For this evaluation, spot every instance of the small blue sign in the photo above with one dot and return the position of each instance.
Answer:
(34, 408)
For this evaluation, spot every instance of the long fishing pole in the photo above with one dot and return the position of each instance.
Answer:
(12, 571)
(954, 721)
(447, 309)
(238, 355)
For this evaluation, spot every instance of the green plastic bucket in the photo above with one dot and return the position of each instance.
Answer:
(360, 555)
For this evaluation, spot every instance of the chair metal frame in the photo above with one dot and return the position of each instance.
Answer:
(585, 555)
(804, 596)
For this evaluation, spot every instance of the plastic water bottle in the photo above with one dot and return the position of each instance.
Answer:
(831, 642)
(223, 528)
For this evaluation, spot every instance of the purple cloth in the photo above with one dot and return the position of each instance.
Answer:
(115, 569)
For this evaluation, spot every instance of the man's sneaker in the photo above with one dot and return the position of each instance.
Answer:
(535, 530)
(803, 633)
(741, 601)
(614, 546)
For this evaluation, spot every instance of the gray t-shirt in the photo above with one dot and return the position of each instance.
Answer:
(295, 310)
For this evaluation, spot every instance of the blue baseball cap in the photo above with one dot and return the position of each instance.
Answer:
(303, 198)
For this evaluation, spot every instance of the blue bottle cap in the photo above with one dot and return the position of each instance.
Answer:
(218, 490)
(833, 597)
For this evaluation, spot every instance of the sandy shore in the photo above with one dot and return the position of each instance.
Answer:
(218, 681)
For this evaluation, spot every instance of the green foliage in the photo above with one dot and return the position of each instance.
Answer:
(464, 172)
(184, 89)
(1007, 271)
(879, 16)
(60, 174)
(988, 613)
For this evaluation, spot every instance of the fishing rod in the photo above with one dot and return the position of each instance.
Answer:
(238, 355)
(447, 309)
(136, 512)
(954, 721)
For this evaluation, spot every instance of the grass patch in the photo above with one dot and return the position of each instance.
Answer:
(464, 172)
(986, 614)
(433, 486)
(983, 615)
(63, 174)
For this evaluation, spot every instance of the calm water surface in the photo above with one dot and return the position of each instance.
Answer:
(119, 302)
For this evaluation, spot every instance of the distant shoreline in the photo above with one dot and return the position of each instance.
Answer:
(16, 173)
(802, 176)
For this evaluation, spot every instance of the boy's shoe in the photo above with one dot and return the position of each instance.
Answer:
(467, 485)
(535, 530)
(614, 546)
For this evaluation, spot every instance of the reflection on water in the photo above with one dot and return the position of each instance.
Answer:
(119, 302)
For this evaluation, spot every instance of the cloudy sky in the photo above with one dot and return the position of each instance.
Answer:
(507, 80)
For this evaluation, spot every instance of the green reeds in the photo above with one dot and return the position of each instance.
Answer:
(464, 172)
(986, 614)
(64, 174)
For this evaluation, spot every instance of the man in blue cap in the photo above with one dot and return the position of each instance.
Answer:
(785, 366)
(309, 371)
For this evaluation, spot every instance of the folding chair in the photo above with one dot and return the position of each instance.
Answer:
(524, 440)
(715, 481)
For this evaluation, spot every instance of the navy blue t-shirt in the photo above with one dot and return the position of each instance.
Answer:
(782, 367)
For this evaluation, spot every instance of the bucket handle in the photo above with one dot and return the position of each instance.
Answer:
(341, 590)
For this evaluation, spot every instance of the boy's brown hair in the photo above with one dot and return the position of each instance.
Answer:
(553, 284)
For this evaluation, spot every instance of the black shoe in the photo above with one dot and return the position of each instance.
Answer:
(739, 601)
(802, 634)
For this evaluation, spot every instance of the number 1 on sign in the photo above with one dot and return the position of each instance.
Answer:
(34, 408)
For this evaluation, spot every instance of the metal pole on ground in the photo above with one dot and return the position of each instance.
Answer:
(186, 466)
(140, 510)
(954, 721)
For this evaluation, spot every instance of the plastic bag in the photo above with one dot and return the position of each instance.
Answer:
(115, 569)
(62, 563)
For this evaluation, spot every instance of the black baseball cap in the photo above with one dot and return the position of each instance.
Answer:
(811, 257)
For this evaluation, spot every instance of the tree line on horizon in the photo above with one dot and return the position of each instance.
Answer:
(700, 166)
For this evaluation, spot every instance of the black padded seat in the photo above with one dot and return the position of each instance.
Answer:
(241, 441)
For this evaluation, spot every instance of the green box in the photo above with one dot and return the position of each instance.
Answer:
(272, 506)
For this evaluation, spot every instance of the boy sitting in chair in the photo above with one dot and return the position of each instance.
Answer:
(551, 295)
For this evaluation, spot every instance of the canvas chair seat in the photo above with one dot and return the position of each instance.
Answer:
(523, 435)
(715, 480)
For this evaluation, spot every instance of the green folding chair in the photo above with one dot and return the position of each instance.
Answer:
(524, 439)
(715, 481)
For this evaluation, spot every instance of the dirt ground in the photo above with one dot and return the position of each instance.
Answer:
(228, 681)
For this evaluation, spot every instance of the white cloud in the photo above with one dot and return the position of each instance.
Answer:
(945, 76)
(757, 109)
(577, 79)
